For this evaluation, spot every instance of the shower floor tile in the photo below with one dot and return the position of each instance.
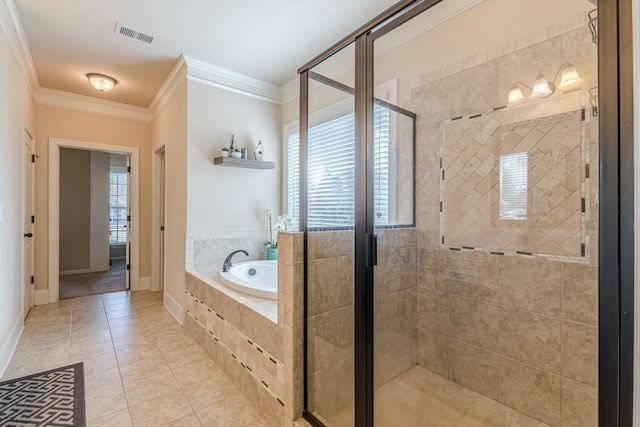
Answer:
(421, 398)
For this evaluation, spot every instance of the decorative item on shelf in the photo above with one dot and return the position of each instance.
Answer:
(225, 152)
(282, 223)
(258, 153)
(236, 153)
(543, 88)
(245, 153)
(231, 138)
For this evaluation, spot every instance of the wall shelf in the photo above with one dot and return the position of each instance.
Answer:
(243, 163)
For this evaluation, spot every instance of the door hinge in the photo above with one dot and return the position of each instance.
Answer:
(128, 266)
(33, 158)
(33, 219)
(129, 169)
(128, 218)
(162, 228)
(33, 280)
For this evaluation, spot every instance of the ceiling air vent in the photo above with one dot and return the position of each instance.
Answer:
(134, 34)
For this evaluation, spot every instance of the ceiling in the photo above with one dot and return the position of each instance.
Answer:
(266, 40)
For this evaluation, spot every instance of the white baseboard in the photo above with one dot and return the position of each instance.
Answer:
(72, 272)
(10, 344)
(174, 307)
(145, 283)
(41, 297)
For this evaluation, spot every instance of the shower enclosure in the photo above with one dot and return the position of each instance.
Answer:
(450, 195)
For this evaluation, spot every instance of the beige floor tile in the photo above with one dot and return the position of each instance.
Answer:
(150, 387)
(134, 352)
(160, 410)
(190, 420)
(185, 355)
(126, 321)
(95, 362)
(119, 418)
(103, 393)
(123, 331)
(143, 368)
(208, 391)
(119, 306)
(81, 348)
(195, 371)
(234, 411)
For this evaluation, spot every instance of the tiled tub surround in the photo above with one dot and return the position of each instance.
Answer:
(262, 354)
(205, 252)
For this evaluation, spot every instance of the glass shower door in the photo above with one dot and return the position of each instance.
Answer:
(485, 289)
(330, 219)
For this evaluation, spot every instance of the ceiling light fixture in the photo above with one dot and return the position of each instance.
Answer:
(101, 82)
(544, 88)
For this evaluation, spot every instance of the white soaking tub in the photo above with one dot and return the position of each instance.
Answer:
(258, 278)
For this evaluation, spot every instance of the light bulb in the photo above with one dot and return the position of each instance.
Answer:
(515, 94)
(570, 77)
(101, 82)
(542, 87)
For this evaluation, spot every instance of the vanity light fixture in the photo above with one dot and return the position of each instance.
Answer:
(101, 82)
(544, 88)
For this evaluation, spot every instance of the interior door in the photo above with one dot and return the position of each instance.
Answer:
(128, 234)
(28, 222)
(161, 205)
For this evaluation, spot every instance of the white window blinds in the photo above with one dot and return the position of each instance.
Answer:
(513, 186)
(331, 172)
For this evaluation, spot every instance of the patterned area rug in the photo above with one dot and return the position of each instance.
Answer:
(51, 398)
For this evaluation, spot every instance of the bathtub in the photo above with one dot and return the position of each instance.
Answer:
(258, 278)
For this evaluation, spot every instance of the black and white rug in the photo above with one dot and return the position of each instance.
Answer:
(51, 398)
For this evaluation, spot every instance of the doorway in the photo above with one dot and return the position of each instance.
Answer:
(118, 212)
(94, 222)
(460, 193)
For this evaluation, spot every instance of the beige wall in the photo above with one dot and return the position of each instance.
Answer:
(226, 198)
(16, 110)
(75, 209)
(169, 130)
(56, 122)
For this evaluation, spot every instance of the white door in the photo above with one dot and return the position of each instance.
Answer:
(161, 204)
(28, 221)
(128, 233)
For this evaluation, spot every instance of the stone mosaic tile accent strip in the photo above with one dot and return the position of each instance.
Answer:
(264, 368)
(557, 200)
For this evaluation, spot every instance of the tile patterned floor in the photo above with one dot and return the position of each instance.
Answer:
(141, 367)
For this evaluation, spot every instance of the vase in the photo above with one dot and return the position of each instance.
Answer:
(272, 253)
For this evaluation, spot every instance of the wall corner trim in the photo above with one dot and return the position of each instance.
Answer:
(145, 283)
(88, 104)
(223, 78)
(10, 22)
(174, 308)
(41, 297)
(10, 343)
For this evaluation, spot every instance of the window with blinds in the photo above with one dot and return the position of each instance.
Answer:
(513, 186)
(331, 172)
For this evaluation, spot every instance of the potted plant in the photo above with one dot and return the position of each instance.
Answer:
(236, 153)
(225, 152)
(282, 223)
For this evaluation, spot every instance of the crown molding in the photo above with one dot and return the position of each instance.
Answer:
(177, 75)
(10, 22)
(212, 75)
(88, 104)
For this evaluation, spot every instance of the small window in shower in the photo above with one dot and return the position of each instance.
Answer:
(513, 186)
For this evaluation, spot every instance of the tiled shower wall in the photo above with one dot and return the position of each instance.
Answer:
(519, 329)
